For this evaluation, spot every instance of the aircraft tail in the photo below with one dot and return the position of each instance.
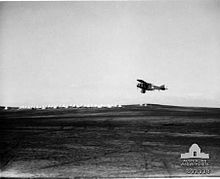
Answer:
(162, 87)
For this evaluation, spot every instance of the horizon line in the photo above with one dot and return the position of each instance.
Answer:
(64, 106)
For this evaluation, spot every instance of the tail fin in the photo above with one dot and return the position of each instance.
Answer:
(162, 87)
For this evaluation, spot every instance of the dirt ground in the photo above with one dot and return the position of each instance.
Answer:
(131, 141)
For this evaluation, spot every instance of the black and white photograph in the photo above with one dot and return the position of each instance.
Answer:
(110, 89)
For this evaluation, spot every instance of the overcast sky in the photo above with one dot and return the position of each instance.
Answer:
(54, 53)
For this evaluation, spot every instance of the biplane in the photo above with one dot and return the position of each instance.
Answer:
(144, 86)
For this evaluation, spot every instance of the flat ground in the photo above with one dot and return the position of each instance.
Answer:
(133, 141)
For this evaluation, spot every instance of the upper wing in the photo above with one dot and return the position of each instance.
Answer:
(142, 81)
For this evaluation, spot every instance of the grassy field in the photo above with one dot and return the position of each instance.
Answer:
(130, 141)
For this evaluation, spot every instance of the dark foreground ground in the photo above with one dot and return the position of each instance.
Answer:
(133, 141)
